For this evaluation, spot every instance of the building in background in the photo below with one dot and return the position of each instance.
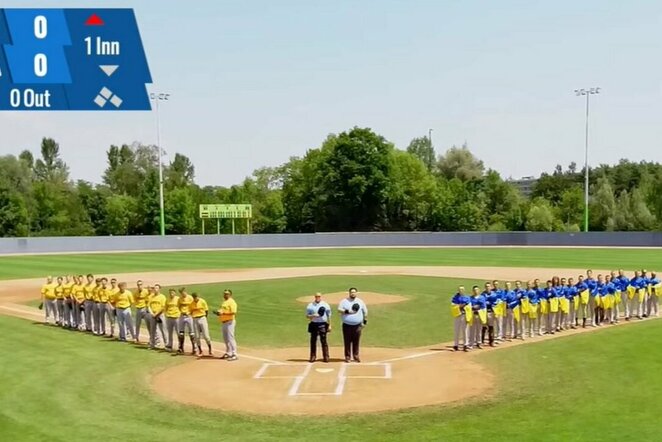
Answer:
(524, 185)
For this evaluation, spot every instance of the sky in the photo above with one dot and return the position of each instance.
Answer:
(253, 83)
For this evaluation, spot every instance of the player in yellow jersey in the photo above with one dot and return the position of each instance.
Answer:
(48, 299)
(199, 312)
(59, 300)
(89, 304)
(155, 312)
(107, 309)
(141, 298)
(227, 314)
(123, 302)
(78, 295)
(99, 307)
(112, 292)
(185, 321)
(172, 315)
(68, 302)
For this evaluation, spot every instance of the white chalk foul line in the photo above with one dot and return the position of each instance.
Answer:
(404, 358)
(298, 380)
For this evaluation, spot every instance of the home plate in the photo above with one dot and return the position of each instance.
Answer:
(324, 370)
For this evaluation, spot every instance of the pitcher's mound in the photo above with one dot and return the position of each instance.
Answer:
(370, 298)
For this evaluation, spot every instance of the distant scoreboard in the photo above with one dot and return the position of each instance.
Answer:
(72, 59)
(220, 211)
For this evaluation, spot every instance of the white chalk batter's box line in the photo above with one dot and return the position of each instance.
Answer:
(341, 378)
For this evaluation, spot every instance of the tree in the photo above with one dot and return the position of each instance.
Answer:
(354, 175)
(14, 220)
(180, 173)
(460, 163)
(422, 148)
(411, 193)
(120, 210)
(50, 166)
(602, 206)
(570, 208)
(180, 212)
(540, 217)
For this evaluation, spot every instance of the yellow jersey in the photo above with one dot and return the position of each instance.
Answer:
(123, 299)
(95, 293)
(103, 295)
(48, 291)
(199, 308)
(59, 291)
(172, 307)
(228, 310)
(112, 292)
(79, 292)
(67, 288)
(142, 296)
(89, 291)
(157, 303)
(185, 304)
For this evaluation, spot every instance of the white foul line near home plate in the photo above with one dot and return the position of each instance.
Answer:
(341, 379)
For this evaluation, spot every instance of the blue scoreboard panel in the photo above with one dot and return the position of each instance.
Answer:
(72, 59)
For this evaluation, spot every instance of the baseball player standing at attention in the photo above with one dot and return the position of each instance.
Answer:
(624, 283)
(141, 297)
(227, 314)
(48, 298)
(172, 317)
(654, 295)
(78, 294)
(199, 312)
(185, 320)
(636, 295)
(478, 317)
(458, 303)
(584, 294)
(89, 304)
(318, 313)
(513, 312)
(113, 291)
(645, 285)
(155, 307)
(573, 300)
(354, 315)
(123, 302)
(59, 301)
(535, 317)
(106, 309)
(523, 298)
(68, 302)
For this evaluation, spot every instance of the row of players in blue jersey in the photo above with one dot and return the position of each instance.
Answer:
(560, 304)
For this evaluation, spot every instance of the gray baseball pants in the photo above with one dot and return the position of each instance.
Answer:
(50, 309)
(125, 323)
(228, 337)
(141, 314)
(172, 324)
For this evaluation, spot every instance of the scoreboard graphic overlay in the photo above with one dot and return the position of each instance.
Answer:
(72, 59)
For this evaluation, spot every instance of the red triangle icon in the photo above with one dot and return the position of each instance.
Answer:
(94, 20)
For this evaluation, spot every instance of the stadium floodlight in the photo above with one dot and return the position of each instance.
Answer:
(587, 93)
(157, 97)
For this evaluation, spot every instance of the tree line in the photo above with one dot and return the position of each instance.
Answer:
(355, 181)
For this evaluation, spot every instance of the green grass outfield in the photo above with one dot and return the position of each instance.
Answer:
(12, 267)
(64, 386)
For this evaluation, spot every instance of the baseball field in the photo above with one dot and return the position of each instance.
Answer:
(587, 384)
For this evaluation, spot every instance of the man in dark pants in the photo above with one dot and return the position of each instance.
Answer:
(318, 313)
(354, 314)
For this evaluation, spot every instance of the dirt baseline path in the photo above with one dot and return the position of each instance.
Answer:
(280, 381)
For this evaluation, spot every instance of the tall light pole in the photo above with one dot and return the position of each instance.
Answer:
(588, 93)
(157, 98)
(430, 136)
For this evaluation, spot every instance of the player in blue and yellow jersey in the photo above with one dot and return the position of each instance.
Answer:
(636, 294)
(609, 300)
(534, 310)
(572, 295)
(479, 316)
(654, 290)
(458, 303)
(513, 313)
(499, 311)
(645, 284)
(552, 297)
(624, 283)
(584, 296)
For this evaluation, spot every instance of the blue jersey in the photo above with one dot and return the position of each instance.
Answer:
(624, 282)
(581, 286)
(551, 293)
(478, 302)
(637, 282)
(460, 300)
(571, 291)
(597, 290)
(511, 299)
(591, 284)
(533, 296)
(611, 288)
(492, 299)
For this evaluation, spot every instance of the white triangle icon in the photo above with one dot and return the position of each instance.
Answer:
(109, 69)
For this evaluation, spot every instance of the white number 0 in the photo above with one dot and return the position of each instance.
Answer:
(40, 65)
(40, 27)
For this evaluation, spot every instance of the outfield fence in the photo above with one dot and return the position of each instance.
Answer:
(12, 246)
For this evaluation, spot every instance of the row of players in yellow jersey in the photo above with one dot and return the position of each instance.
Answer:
(97, 305)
